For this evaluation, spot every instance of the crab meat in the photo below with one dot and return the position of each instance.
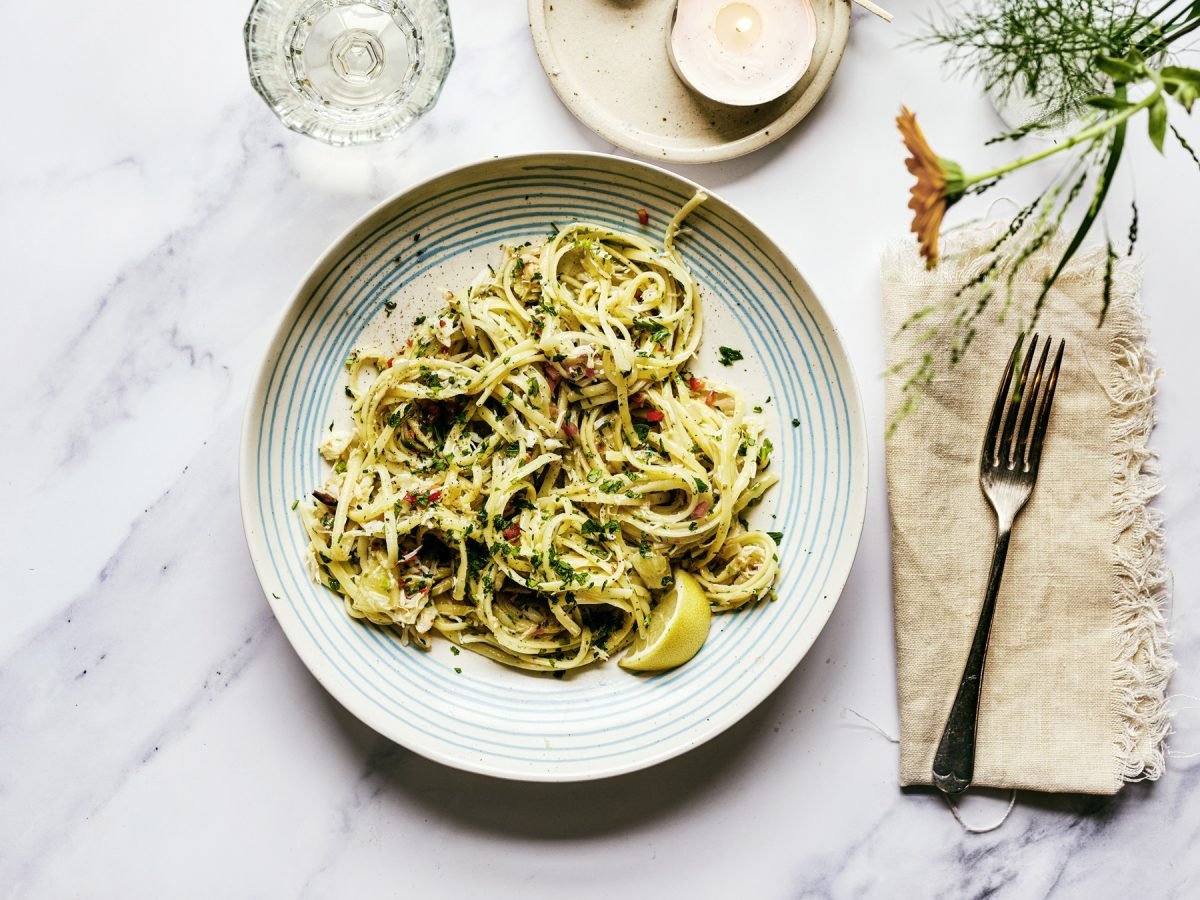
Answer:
(444, 329)
(335, 444)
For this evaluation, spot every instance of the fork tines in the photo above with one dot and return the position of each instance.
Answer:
(1018, 424)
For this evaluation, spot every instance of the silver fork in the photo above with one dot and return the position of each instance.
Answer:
(1008, 467)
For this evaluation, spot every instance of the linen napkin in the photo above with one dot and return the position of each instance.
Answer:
(1074, 690)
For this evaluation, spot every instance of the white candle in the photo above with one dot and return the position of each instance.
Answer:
(742, 52)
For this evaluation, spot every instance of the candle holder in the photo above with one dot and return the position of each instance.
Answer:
(349, 71)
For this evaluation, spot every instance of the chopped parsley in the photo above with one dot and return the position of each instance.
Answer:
(701, 486)
(593, 476)
(776, 536)
(658, 332)
(419, 320)
(389, 306)
(454, 649)
(729, 355)
(795, 423)
(564, 570)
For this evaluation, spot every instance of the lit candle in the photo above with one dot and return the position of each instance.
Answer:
(742, 53)
(738, 27)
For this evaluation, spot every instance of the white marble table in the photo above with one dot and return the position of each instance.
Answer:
(159, 737)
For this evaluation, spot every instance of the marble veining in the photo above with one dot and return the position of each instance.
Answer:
(160, 738)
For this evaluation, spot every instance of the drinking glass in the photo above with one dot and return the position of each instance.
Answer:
(349, 71)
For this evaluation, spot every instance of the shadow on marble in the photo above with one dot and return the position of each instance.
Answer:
(1096, 809)
(548, 811)
(730, 172)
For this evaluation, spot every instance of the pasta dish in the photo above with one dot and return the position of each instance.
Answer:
(525, 472)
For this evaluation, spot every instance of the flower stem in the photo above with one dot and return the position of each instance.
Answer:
(1087, 134)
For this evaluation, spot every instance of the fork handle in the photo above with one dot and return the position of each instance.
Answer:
(954, 762)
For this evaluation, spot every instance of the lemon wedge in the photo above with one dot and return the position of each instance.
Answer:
(677, 630)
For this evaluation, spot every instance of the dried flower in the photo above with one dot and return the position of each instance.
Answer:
(939, 185)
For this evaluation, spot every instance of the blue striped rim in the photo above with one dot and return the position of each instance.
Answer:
(370, 646)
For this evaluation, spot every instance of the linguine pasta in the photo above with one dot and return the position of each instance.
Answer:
(525, 472)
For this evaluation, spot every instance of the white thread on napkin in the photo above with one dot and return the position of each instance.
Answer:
(1074, 694)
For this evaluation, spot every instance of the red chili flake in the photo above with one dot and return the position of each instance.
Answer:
(512, 532)
(643, 217)
(570, 429)
(637, 400)
(391, 360)
(424, 498)
(695, 383)
(711, 398)
(654, 416)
